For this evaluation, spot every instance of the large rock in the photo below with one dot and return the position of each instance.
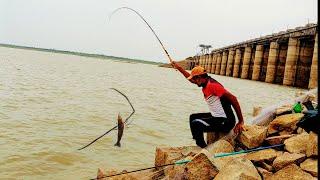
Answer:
(311, 166)
(277, 139)
(253, 136)
(167, 155)
(312, 145)
(238, 169)
(264, 155)
(288, 158)
(220, 146)
(297, 144)
(220, 162)
(264, 173)
(201, 167)
(285, 122)
(291, 172)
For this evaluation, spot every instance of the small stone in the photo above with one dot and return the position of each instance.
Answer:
(264, 173)
(297, 144)
(253, 136)
(291, 172)
(101, 174)
(312, 145)
(311, 166)
(284, 122)
(201, 167)
(266, 166)
(238, 168)
(288, 158)
(300, 130)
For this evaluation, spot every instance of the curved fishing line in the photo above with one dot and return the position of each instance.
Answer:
(147, 24)
(115, 127)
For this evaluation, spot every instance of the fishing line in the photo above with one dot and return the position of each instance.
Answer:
(115, 127)
(128, 8)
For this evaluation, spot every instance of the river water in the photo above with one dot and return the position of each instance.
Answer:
(52, 104)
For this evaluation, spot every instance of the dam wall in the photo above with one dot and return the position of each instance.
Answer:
(288, 58)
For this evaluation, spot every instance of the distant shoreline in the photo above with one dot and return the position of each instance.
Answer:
(81, 54)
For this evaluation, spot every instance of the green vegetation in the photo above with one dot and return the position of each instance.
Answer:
(100, 56)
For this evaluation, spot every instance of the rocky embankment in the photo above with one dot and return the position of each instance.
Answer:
(296, 159)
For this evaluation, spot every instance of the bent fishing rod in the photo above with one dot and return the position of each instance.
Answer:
(128, 8)
(115, 127)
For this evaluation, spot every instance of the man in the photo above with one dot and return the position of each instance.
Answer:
(219, 100)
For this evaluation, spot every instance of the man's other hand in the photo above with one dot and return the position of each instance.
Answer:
(238, 128)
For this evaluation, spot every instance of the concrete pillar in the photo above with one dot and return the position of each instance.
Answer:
(230, 62)
(210, 63)
(313, 81)
(207, 62)
(257, 62)
(291, 62)
(201, 61)
(272, 61)
(224, 63)
(246, 63)
(236, 65)
(217, 70)
(214, 62)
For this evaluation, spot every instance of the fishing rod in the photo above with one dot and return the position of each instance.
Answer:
(128, 8)
(115, 127)
(218, 155)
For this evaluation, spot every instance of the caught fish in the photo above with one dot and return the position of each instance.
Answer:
(120, 130)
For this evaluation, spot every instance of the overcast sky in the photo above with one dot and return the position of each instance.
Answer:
(83, 26)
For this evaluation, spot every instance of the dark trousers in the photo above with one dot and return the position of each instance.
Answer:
(205, 122)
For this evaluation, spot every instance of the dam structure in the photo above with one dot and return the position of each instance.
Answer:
(288, 58)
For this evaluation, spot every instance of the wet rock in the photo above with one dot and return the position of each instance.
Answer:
(284, 122)
(264, 173)
(238, 168)
(312, 145)
(291, 172)
(220, 146)
(277, 139)
(297, 144)
(101, 174)
(264, 155)
(253, 136)
(288, 158)
(201, 167)
(311, 166)
(256, 110)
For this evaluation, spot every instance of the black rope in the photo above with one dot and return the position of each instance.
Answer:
(115, 127)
